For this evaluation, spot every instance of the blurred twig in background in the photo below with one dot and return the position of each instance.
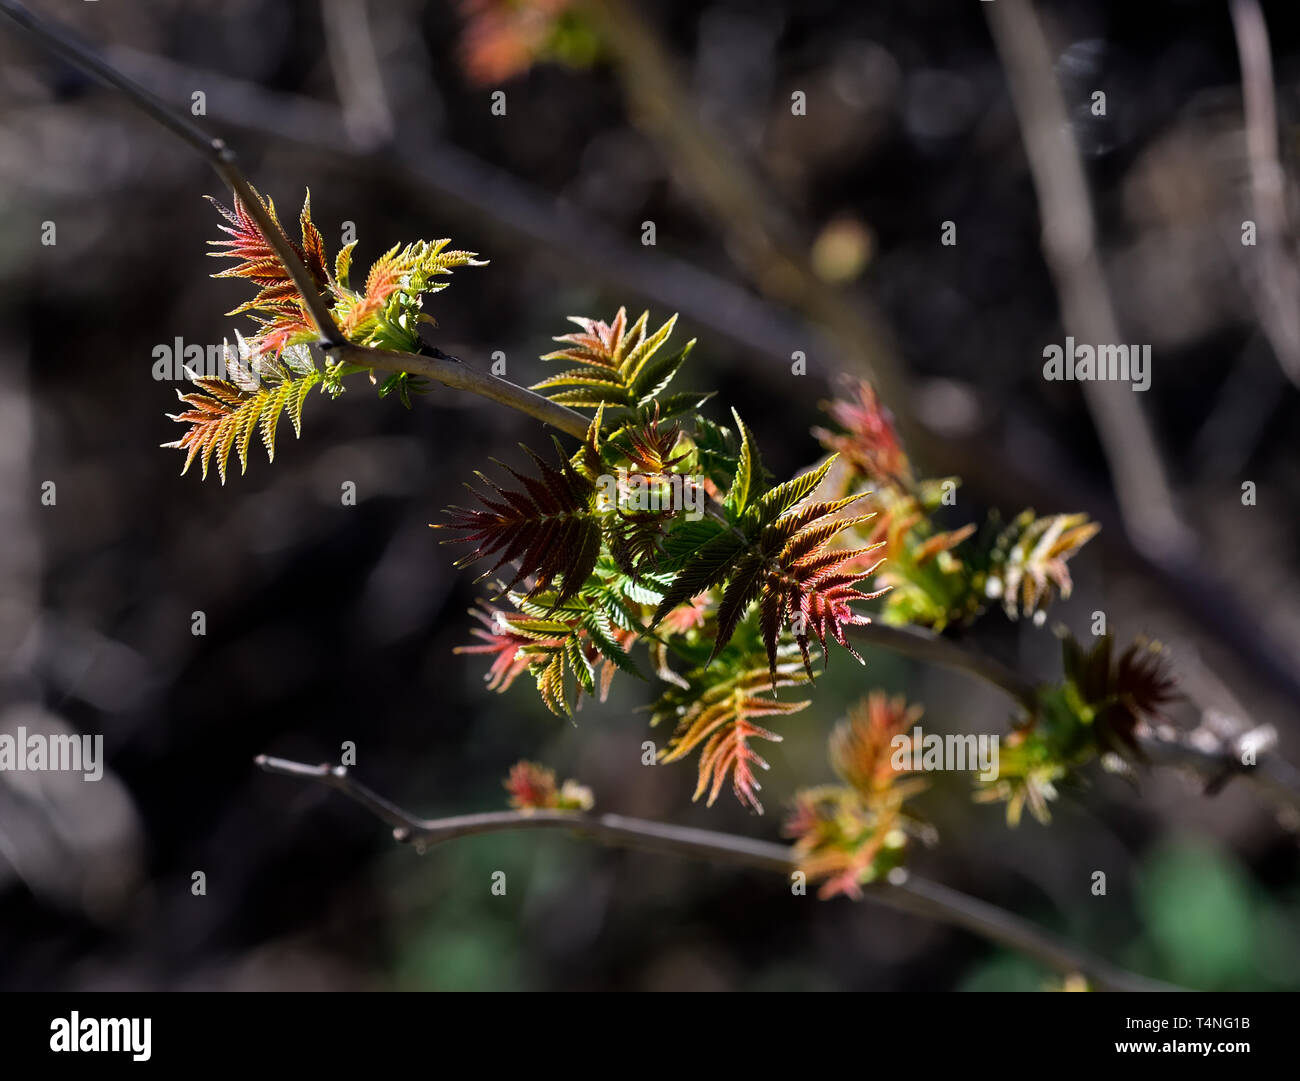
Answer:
(357, 73)
(1275, 285)
(767, 241)
(1070, 245)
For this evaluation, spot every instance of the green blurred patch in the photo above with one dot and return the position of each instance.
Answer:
(1207, 925)
(1007, 972)
(454, 934)
(1210, 926)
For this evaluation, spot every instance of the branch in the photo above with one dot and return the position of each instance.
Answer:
(924, 645)
(358, 73)
(1215, 756)
(771, 247)
(222, 159)
(904, 891)
(454, 374)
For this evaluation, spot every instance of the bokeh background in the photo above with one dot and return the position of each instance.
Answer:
(328, 623)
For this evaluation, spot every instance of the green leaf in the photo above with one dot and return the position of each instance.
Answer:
(775, 502)
(597, 625)
(343, 264)
(590, 396)
(581, 377)
(657, 372)
(709, 566)
(646, 348)
(686, 538)
(686, 401)
(738, 495)
(582, 668)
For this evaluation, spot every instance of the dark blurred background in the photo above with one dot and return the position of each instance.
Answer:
(328, 623)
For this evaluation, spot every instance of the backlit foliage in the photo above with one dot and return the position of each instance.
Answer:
(731, 601)
(667, 534)
(714, 708)
(662, 548)
(504, 38)
(273, 371)
(851, 834)
(1094, 712)
(225, 414)
(532, 788)
(946, 574)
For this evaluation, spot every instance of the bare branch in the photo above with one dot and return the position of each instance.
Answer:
(768, 242)
(1217, 757)
(904, 891)
(357, 73)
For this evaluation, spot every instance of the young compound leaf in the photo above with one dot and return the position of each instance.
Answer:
(549, 525)
(223, 415)
(616, 365)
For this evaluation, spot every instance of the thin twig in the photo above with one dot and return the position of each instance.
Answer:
(357, 73)
(1217, 758)
(904, 891)
(769, 244)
